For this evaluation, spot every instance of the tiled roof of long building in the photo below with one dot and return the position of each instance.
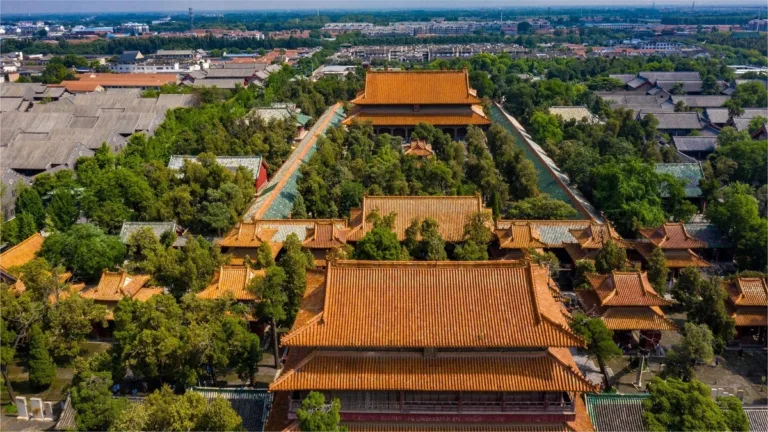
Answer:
(447, 372)
(450, 212)
(417, 87)
(231, 280)
(21, 253)
(747, 291)
(625, 289)
(435, 304)
(616, 413)
(672, 236)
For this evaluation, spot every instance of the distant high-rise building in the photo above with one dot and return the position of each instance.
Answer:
(191, 19)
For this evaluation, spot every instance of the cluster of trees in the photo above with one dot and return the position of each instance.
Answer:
(675, 405)
(60, 68)
(353, 162)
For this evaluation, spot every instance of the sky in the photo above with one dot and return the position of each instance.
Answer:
(102, 6)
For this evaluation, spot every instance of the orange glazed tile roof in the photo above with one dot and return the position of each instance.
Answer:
(325, 235)
(417, 88)
(447, 372)
(520, 236)
(113, 286)
(577, 253)
(747, 291)
(128, 79)
(435, 304)
(625, 289)
(625, 317)
(419, 148)
(450, 212)
(672, 236)
(750, 316)
(412, 119)
(231, 280)
(80, 86)
(637, 318)
(676, 258)
(22, 252)
(456, 427)
(596, 234)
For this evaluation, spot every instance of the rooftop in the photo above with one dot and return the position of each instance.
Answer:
(577, 113)
(231, 163)
(669, 120)
(450, 212)
(552, 233)
(411, 371)
(595, 235)
(672, 236)
(231, 280)
(616, 413)
(129, 80)
(21, 253)
(625, 289)
(695, 143)
(417, 87)
(689, 173)
(676, 258)
(113, 286)
(747, 291)
(417, 304)
(252, 405)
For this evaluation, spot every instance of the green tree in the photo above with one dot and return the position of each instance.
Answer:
(62, 210)
(145, 252)
(274, 301)
(675, 405)
(735, 212)
(658, 270)
(42, 369)
(610, 257)
(704, 301)
(430, 246)
(696, 348)
(219, 416)
(545, 128)
(28, 201)
(295, 263)
(70, 321)
(299, 210)
(709, 85)
(92, 400)
(477, 236)
(314, 415)
(599, 339)
(678, 88)
(264, 257)
(133, 418)
(167, 411)
(380, 243)
(523, 27)
(541, 207)
(85, 250)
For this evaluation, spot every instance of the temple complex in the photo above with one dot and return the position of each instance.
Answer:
(434, 345)
(676, 243)
(747, 304)
(627, 303)
(396, 101)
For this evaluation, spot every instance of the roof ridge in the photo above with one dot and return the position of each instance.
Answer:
(564, 330)
(292, 372)
(534, 289)
(571, 369)
(315, 320)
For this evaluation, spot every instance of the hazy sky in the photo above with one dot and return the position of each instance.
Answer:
(77, 6)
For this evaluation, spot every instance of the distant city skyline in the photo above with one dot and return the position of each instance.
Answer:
(44, 7)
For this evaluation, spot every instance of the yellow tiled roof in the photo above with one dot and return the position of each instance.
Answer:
(637, 318)
(325, 235)
(113, 286)
(447, 372)
(595, 235)
(625, 289)
(520, 236)
(450, 212)
(412, 119)
(416, 88)
(676, 258)
(22, 252)
(672, 236)
(231, 280)
(419, 148)
(435, 304)
(750, 316)
(747, 291)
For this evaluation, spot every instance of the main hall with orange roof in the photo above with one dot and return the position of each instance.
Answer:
(396, 101)
(411, 344)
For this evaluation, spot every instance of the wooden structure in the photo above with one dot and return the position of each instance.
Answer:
(627, 303)
(416, 345)
(396, 101)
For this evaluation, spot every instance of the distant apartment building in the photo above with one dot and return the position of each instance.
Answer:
(422, 53)
(132, 27)
(758, 25)
(165, 61)
(287, 34)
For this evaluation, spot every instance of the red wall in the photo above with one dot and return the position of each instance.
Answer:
(262, 179)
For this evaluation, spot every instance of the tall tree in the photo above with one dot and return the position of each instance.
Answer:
(599, 340)
(85, 250)
(380, 243)
(273, 303)
(295, 263)
(94, 405)
(610, 258)
(477, 236)
(314, 415)
(42, 369)
(63, 210)
(675, 405)
(541, 207)
(28, 201)
(696, 348)
(658, 270)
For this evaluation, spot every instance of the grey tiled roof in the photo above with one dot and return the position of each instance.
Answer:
(688, 86)
(252, 405)
(221, 83)
(700, 101)
(616, 413)
(553, 233)
(231, 163)
(675, 120)
(157, 227)
(691, 173)
(708, 233)
(670, 76)
(625, 78)
(758, 418)
(695, 143)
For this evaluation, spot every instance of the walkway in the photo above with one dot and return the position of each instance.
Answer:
(551, 180)
(276, 200)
